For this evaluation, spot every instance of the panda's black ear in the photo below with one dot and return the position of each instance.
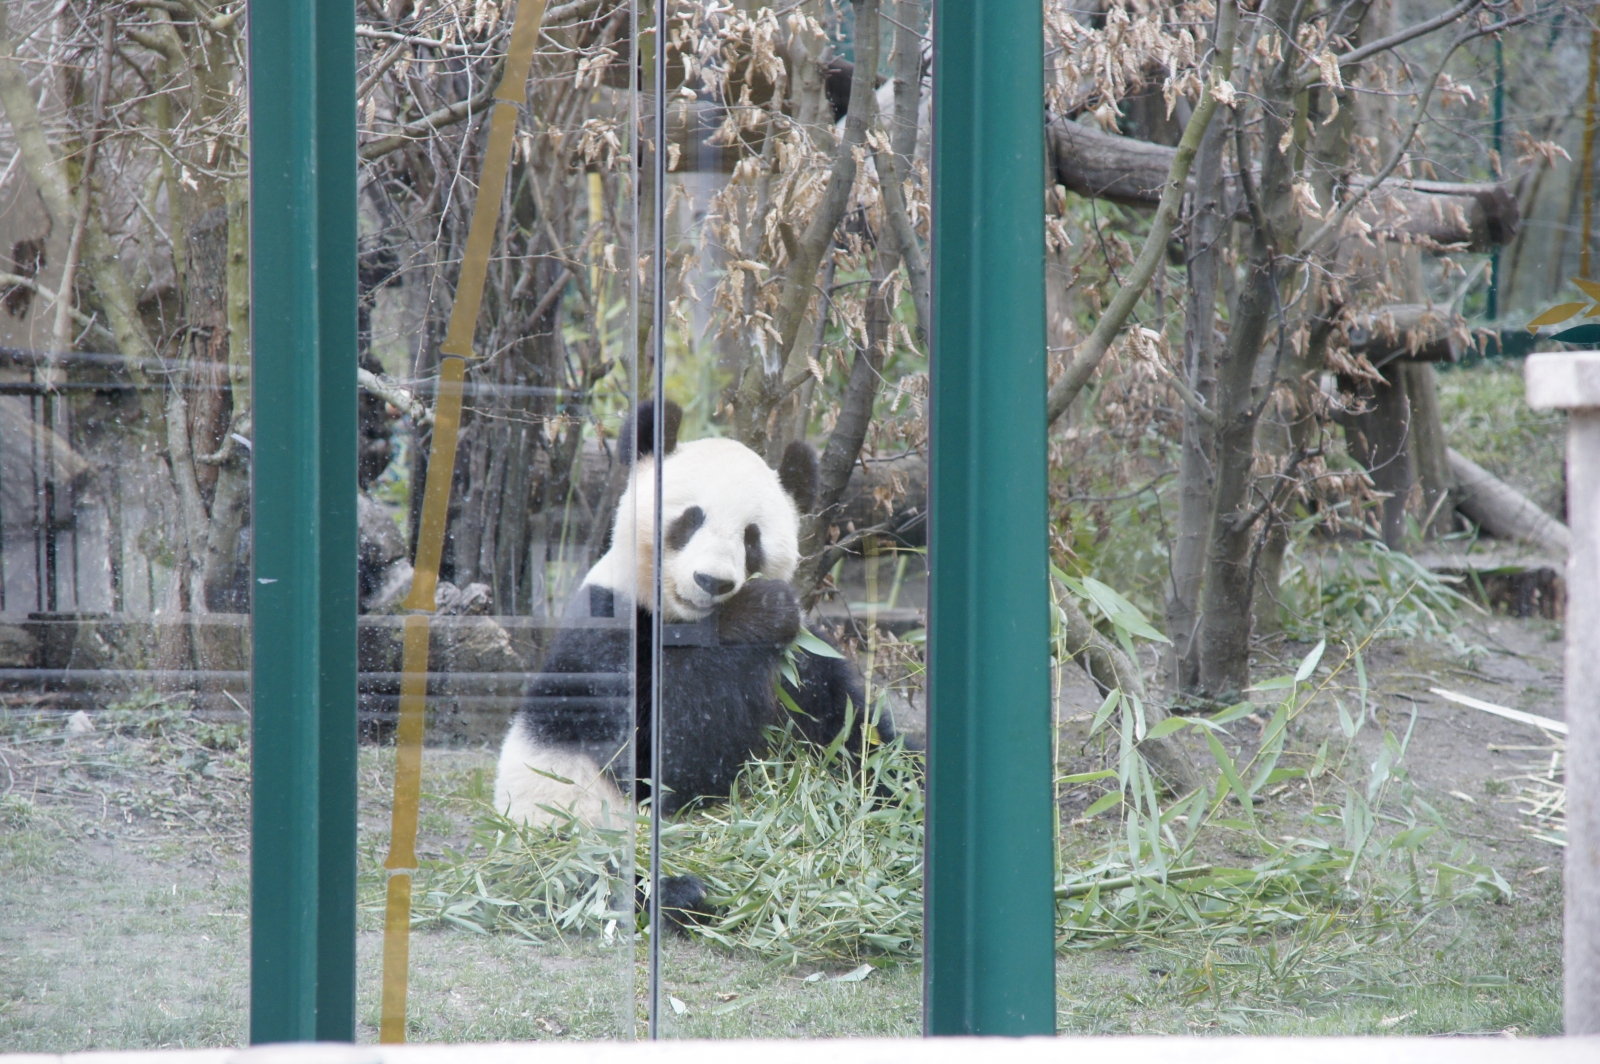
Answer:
(640, 430)
(798, 473)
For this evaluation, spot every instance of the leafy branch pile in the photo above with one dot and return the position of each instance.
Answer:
(811, 862)
(806, 861)
(144, 768)
(1371, 859)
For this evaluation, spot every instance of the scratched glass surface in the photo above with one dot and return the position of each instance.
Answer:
(522, 904)
(795, 226)
(125, 529)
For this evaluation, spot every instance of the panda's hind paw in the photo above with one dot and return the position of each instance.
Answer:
(763, 612)
(684, 901)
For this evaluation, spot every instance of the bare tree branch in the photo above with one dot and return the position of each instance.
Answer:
(1410, 33)
(757, 389)
(1082, 367)
(1336, 220)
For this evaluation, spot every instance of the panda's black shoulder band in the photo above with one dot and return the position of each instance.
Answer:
(702, 633)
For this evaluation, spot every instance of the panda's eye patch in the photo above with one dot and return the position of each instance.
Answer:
(684, 527)
(754, 556)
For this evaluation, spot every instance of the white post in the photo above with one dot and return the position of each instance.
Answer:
(1571, 381)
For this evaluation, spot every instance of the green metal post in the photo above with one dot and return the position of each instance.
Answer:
(303, 331)
(990, 965)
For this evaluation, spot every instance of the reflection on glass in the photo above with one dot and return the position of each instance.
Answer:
(522, 909)
(795, 225)
(124, 529)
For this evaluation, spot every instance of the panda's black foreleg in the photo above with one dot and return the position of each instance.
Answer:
(684, 901)
(831, 692)
(763, 613)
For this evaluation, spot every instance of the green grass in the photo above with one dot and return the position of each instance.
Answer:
(122, 923)
(1477, 970)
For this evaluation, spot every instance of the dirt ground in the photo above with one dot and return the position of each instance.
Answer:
(123, 893)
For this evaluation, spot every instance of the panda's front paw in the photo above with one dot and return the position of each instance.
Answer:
(763, 612)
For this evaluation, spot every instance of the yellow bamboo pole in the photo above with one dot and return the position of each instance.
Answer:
(457, 347)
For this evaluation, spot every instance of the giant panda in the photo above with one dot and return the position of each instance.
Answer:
(730, 547)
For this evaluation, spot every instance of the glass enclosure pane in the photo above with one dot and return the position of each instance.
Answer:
(795, 230)
(125, 524)
(522, 911)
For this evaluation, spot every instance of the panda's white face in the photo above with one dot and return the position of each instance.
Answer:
(726, 516)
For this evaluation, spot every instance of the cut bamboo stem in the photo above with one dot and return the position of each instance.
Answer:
(457, 346)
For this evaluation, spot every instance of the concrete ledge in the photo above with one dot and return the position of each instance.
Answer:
(1125, 1050)
(1569, 380)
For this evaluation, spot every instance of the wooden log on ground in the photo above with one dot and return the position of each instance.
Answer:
(1404, 331)
(1469, 217)
(1502, 510)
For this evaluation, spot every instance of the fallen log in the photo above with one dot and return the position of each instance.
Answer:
(1470, 217)
(1502, 510)
(1404, 330)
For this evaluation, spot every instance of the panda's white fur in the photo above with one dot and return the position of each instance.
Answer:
(524, 790)
(734, 488)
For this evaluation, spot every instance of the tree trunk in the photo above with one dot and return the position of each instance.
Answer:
(1110, 669)
(839, 457)
(1196, 461)
(1379, 438)
(760, 384)
(1429, 451)
(1226, 595)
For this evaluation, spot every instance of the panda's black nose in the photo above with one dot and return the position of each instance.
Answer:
(713, 586)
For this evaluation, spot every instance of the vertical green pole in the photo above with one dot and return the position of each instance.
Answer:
(990, 966)
(303, 330)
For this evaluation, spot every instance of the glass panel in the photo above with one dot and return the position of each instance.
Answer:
(522, 910)
(124, 530)
(793, 505)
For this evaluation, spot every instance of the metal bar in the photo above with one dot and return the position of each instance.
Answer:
(990, 932)
(303, 289)
(658, 394)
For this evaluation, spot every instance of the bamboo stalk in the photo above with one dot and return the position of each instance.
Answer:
(457, 346)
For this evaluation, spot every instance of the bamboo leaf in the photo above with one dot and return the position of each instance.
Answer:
(815, 645)
(1556, 315)
(1104, 802)
(1087, 777)
(1166, 728)
(1233, 713)
(1113, 697)
(1308, 664)
(1231, 774)
(1346, 725)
